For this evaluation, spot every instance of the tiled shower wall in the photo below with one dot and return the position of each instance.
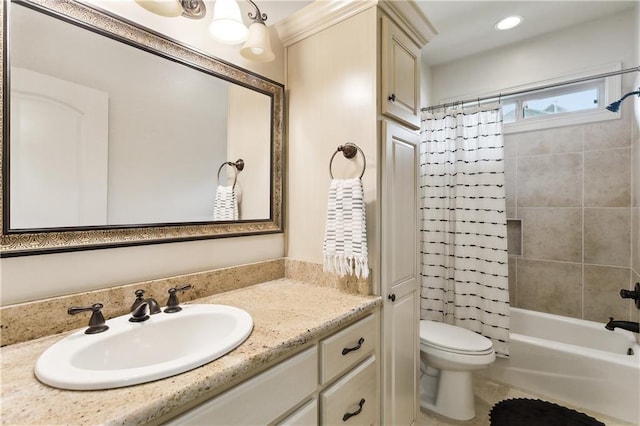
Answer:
(572, 189)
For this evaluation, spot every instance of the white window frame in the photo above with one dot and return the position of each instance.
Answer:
(611, 92)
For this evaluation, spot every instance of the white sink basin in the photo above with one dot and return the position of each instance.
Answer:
(131, 353)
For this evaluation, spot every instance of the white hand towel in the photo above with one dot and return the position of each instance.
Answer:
(345, 238)
(225, 206)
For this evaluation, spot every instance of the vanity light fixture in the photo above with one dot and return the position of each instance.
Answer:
(226, 27)
(508, 23)
(258, 45)
(193, 9)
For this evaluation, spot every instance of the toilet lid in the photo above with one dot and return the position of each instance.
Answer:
(456, 339)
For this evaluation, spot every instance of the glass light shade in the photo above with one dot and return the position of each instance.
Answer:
(166, 8)
(227, 26)
(258, 45)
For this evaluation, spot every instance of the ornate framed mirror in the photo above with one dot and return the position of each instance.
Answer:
(114, 135)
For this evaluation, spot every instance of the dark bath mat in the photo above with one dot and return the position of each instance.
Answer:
(534, 412)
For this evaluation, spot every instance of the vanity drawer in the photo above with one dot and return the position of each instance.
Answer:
(304, 416)
(261, 399)
(352, 400)
(346, 348)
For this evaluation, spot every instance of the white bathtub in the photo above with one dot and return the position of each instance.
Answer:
(575, 361)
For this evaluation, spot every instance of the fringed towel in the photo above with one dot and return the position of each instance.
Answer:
(345, 238)
(225, 206)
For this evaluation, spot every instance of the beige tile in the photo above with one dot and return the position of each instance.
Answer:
(510, 185)
(635, 312)
(550, 181)
(635, 238)
(514, 237)
(552, 233)
(607, 134)
(607, 178)
(635, 170)
(602, 285)
(607, 233)
(511, 145)
(551, 141)
(513, 281)
(551, 287)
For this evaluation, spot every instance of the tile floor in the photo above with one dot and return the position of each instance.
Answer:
(487, 393)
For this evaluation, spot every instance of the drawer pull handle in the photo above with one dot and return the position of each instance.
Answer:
(355, 348)
(347, 416)
(392, 98)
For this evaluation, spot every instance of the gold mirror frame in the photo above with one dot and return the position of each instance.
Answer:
(20, 243)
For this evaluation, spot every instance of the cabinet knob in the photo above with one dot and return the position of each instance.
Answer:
(392, 297)
(347, 416)
(392, 98)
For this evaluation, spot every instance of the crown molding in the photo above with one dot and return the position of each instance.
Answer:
(322, 14)
(318, 16)
(409, 15)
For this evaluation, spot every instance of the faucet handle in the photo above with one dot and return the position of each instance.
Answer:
(173, 302)
(632, 294)
(96, 322)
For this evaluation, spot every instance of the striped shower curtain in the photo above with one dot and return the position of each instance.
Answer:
(464, 268)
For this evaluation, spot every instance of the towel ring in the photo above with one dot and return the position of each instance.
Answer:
(349, 150)
(238, 166)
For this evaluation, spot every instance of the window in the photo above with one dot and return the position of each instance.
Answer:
(531, 111)
(562, 105)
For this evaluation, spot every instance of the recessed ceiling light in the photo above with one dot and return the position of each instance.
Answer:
(508, 23)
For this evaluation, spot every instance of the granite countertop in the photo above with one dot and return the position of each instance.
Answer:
(287, 314)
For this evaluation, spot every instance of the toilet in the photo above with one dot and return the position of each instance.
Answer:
(448, 356)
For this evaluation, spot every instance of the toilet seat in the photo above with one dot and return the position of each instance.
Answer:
(453, 339)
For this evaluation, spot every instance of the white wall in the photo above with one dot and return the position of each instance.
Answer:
(35, 277)
(332, 83)
(563, 52)
(636, 85)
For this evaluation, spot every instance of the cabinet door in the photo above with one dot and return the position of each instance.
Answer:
(261, 399)
(307, 415)
(352, 400)
(400, 75)
(400, 274)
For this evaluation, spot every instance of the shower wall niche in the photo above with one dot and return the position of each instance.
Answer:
(572, 190)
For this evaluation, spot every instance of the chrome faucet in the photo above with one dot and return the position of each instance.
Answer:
(625, 325)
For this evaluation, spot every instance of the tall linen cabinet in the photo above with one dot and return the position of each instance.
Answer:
(353, 75)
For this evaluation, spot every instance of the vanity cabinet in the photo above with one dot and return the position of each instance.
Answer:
(333, 378)
(400, 92)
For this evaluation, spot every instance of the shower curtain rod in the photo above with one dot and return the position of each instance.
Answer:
(534, 89)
